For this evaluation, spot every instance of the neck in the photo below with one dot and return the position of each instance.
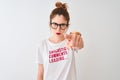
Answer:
(56, 39)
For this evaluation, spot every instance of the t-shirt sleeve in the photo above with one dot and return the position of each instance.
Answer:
(39, 54)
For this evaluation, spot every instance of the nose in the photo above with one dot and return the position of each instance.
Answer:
(58, 28)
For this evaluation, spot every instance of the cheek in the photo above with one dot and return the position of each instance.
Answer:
(52, 30)
(64, 31)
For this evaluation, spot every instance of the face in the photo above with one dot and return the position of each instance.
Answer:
(58, 26)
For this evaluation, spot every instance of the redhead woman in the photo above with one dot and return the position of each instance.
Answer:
(56, 60)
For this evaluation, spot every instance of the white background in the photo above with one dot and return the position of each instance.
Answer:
(24, 22)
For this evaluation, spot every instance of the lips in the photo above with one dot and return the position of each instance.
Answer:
(58, 33)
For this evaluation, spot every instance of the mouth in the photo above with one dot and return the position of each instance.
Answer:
(58, 33)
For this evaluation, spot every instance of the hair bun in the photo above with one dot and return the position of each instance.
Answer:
(60, 5)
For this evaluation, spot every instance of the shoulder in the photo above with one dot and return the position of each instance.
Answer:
(42, 42)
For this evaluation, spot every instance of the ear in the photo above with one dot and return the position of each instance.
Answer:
(49, 25)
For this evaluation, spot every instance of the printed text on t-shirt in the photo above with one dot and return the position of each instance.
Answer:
(57, 54)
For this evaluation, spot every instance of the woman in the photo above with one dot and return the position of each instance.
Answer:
(56, 54)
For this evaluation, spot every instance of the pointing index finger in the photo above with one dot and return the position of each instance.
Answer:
(77, 33)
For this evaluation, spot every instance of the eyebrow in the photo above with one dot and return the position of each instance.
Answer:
(60, 23)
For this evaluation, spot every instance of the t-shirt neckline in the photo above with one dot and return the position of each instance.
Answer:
(55, 44)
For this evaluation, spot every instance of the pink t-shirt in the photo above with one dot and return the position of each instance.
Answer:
(58, 61)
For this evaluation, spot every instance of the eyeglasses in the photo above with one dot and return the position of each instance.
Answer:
(62, 26)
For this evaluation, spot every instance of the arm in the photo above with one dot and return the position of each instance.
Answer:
(40, 72)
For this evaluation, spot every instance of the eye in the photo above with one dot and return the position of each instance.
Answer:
(55, 24)
(63, 24)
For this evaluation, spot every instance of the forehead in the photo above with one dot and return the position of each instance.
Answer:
(59, 19)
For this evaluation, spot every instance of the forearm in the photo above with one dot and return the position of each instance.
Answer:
(40, 72)
(40, 78)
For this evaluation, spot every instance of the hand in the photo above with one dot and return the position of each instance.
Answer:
(74, 40)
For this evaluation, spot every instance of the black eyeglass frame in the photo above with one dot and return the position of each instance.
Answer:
(60, 25)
